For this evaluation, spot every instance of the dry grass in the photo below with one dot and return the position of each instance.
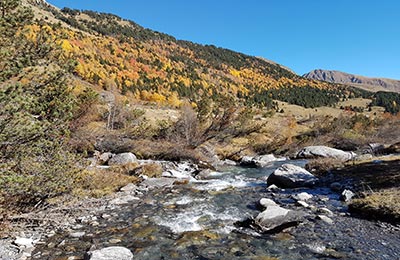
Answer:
(322, 165)
(98, 183)
(383, 205)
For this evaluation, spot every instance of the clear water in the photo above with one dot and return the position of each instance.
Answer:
(197, 221)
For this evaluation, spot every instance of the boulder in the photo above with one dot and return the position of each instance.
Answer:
(291, 176)
(122, 159)
(260, 160)
(304, 196)
(311, 152)
(110, 253)
(267, 202)
(275, 219)
(24, 242)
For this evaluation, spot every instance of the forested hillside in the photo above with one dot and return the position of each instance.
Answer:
(117, 54)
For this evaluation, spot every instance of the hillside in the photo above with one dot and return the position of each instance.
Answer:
(121, 56)
(370, 84)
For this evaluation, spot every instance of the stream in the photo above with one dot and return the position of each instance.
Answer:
(199, 220)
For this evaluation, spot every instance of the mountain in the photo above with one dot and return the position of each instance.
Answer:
(371, 84)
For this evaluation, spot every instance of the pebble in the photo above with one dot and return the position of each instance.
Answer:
(326, 211)
(303, 204)
(325, 219)
(304, 196)
(77, 234)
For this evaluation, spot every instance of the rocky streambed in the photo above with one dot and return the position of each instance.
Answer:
(214, 216)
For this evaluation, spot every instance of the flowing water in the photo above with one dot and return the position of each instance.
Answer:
(197, 221)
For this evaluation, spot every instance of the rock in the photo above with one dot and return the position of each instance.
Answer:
(304, 196)
(347, 195)
(311, 152)
(291, 176)
(77, 234)
(364, 157)
(229, 162)
(273, 187)
(122, 159)
(275, 219)
(24, 242)
(303, 204)
(123, 200)
(325, 219)
(394, 148)
(325, 211)
(316, 248)
(110, 253)
(129, 188)
(336, 186)
(259, 161)
(204, 174)
(104, 158)
(375, 148)
(267, 202)
(158, 182)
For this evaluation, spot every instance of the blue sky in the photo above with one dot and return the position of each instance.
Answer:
(355, 36)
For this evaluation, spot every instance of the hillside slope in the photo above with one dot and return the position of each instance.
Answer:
(121, 56)
(371, 84)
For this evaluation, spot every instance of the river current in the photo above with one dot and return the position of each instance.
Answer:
(199, 220)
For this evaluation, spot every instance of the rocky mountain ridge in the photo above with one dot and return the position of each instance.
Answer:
(371, 84)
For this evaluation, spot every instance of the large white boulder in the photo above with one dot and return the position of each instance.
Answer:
(291, 176)
(311, 152)
(122, 159)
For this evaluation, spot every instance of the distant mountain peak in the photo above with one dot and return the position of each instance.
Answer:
(374, 84)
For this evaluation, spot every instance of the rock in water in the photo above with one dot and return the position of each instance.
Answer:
(110, 253)
(267, 202)
(311, 152)
(347, 195)
(291, 176)
(259, 161)
(275, 219)
(122, 159)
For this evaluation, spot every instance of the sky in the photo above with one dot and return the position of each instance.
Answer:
(355, 36)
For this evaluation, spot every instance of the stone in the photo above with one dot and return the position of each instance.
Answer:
(104, 158)
(267, 202)
(325, 219)
(24, 242)
(311, 152)
(336, 186)
(275, 219)
(259, 161)
(158, 182)
(316, 248)
(123, 200)
(204, 174)
(347, 195)
(110, 253)
(76, 234)
(291, 176)
(303, 204)
(122, 159)
(304, 196)
(326, 211)
(129, 188)
(273, 187)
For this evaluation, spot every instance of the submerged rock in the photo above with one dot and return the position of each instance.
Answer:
(110, 253)
(311, 152)
(275, 219)
(291, 176)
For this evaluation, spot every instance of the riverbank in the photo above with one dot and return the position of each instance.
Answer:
(197, 214)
